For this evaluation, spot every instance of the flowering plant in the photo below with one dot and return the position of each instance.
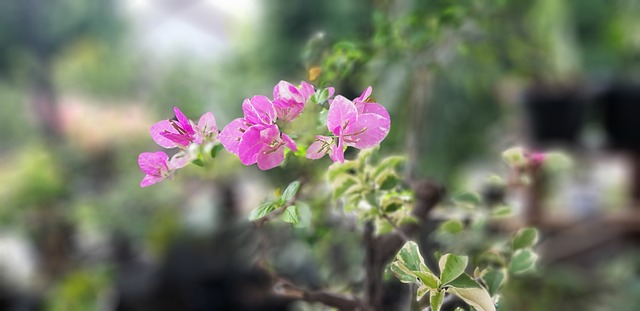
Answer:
(392, 211)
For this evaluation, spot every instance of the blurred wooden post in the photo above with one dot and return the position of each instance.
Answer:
(533, 209)
(635, 179)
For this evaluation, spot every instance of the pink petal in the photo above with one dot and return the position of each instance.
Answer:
(179, 160)
(368, 131)
(207, 126)
(180, 140)
(153, 163)
(231, 135)
(376, 109)
(341, 113)
(288, 92)
(185, 123)
(259, 110)
(160, 127)
(337, 153)
(256, 137)
(331, 91)
(289, 142)
(306, 89)
(321, 146)
(367, 92)
(287, 111)
(269, 158)
(149, 180)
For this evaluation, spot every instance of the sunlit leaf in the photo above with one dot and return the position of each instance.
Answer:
(436, 299)
(290, 215)
(262, 210)
(290, 192)
(522, 260)
(451, 267)
(525, 237)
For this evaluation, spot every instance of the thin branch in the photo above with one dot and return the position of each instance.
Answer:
(285, 289)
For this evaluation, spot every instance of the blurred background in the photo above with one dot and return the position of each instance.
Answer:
(82, 81)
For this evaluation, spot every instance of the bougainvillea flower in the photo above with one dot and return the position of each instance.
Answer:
(156, 167)
(259, 110)
(231, 135)
(364, 104)
(289, 100)
(361, 128)
(206, 128)
(173, 133)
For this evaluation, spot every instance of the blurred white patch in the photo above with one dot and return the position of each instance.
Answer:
(17, 261)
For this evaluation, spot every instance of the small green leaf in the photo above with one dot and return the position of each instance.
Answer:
(475, 297)
(467, 199)
(402, 273)
(383, 226)
(388, 163)
(290, 192)
(427, 278)
(338, 168)
(387, 180)
(464, 281)
(451, 267)
(216, 149)
(452, 226)
(262, 210)
(436, 299)
(522, 260)
(410, 256)
(422, 290)
(525, 237)
(290, 215)
(494, 280)
(344, 186)
(502, 211)
(198, 162)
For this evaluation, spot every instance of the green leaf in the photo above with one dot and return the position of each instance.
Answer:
(387, 180)
(290, 215)
(383, 226)
(522, 260)
(475, 297)
(290, 192)
(525, 237)
(467, 199)
(494, 280)
(344, 185)
(436, 299)
(198, 162)
(464, 281)
(501, 211)
(451, 267)
(216, 149)
(262, 210)
(452, 226)
(403, 273)
(388, 163)
(338, 168)
(304, 215)
(422, 290)
(427, 278)
(410, 256)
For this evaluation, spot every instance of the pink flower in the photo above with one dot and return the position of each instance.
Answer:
(357, 124)
(156, 167)
(536, 158)
(180, 132)
(256, 138)
(289, 100)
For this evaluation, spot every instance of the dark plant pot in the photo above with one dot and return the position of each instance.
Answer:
(620, 108)
(555, 116)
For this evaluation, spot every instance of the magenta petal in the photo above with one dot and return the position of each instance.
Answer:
(367, 92)
(149, 180)
(179, 139)
(341, 113)
(319, 147)
(184, 121)
(231, 135)
(368, 131)
(259, 110)
(287, 111)
(306, 89)
(254, 140)
(269, 158)
(207, 128)
(153, 163)
(160, 127)
(289, 142)
(376, 109)
(337, 152)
